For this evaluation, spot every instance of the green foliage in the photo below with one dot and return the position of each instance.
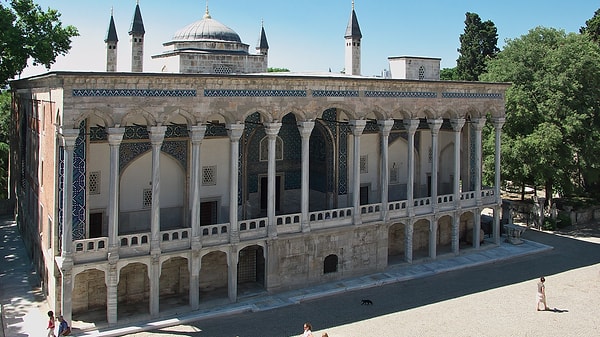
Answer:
(563, 220)
(549, 224)
(551, 137)
(26, 31)
(449, 74)
(277, 70)
(5, 106)
(477, 45)
(592, 27)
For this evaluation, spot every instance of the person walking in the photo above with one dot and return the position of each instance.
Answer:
(541, 294)
(51, 325)
(307, 330)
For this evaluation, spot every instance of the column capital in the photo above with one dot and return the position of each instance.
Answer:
(385, 126)
(411, 125)
(235, 131)
(498, 122)
(478, 123)
(457, 124)
(357, 125)
(272, 129)
(157, 134)
(435, 124)
(68, 137)
(305, 128)
(115, 135)
(197, 133)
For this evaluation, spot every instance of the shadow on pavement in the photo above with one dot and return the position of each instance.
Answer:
(345, 308)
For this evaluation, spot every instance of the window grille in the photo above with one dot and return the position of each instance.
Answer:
(147, 198)
(94, 182)
(209, 175)
(364, 164)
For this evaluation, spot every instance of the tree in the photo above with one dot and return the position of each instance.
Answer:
(26, 31)
(448, 74)
(277, 70)
(592, 27)
(477, 44)
(5, 99)
(551, 137)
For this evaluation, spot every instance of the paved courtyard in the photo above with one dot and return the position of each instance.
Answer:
(489, 300)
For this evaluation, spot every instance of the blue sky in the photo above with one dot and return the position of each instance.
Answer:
(308, 35)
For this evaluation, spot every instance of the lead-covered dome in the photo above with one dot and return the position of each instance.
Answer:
(207, 29)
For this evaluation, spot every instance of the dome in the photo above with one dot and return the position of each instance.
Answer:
(207, 29)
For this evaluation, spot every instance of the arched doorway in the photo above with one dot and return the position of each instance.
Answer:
(89, 296)
(396, 244)
(251, 270)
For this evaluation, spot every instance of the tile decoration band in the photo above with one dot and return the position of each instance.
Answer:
(253, 93)
(471, 95)
(335, 93)
(133, 93)
(401, 94)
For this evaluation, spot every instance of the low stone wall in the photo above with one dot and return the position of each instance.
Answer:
(585, 216)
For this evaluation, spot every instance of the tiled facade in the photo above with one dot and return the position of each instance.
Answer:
(205, 184)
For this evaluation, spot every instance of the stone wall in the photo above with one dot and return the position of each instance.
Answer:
(89, 291)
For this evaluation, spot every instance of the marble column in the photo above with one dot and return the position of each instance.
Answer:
(411, 126)
(196, 136)
(457, 125)
(478, 125)
(498, 123)
(357, 126)
(456, 232)
(434, 126)
(112, 282)
(408, 240)
(115, 137)
(232, 274)
(433, 226)
(385, 127)
(157, 135)
(68, 138)
(154, 275)
(235, 132)
(271, 129)
(305, 128)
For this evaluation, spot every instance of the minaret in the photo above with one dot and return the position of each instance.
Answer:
(111, 41)
(263, 48)
(263, 45)
(353, 36)
(137, 40)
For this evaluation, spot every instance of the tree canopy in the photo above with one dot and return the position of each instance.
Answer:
(26, 31)
(478, 43)
(552, 133)
(592, 27)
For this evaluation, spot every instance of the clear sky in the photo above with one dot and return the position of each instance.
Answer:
(308, 35)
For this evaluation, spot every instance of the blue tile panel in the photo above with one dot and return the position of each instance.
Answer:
(401, 94)
(79, 185)
(274, 93)
(471, 95)
(133, 93)
(335, 93)
(253, 93)
(128, 152)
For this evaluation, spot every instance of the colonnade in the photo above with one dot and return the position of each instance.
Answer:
(235, 131)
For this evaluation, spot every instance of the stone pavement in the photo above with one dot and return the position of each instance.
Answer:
(24, 309)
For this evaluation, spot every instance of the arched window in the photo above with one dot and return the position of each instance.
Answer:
(330, 265)
(264, 149)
